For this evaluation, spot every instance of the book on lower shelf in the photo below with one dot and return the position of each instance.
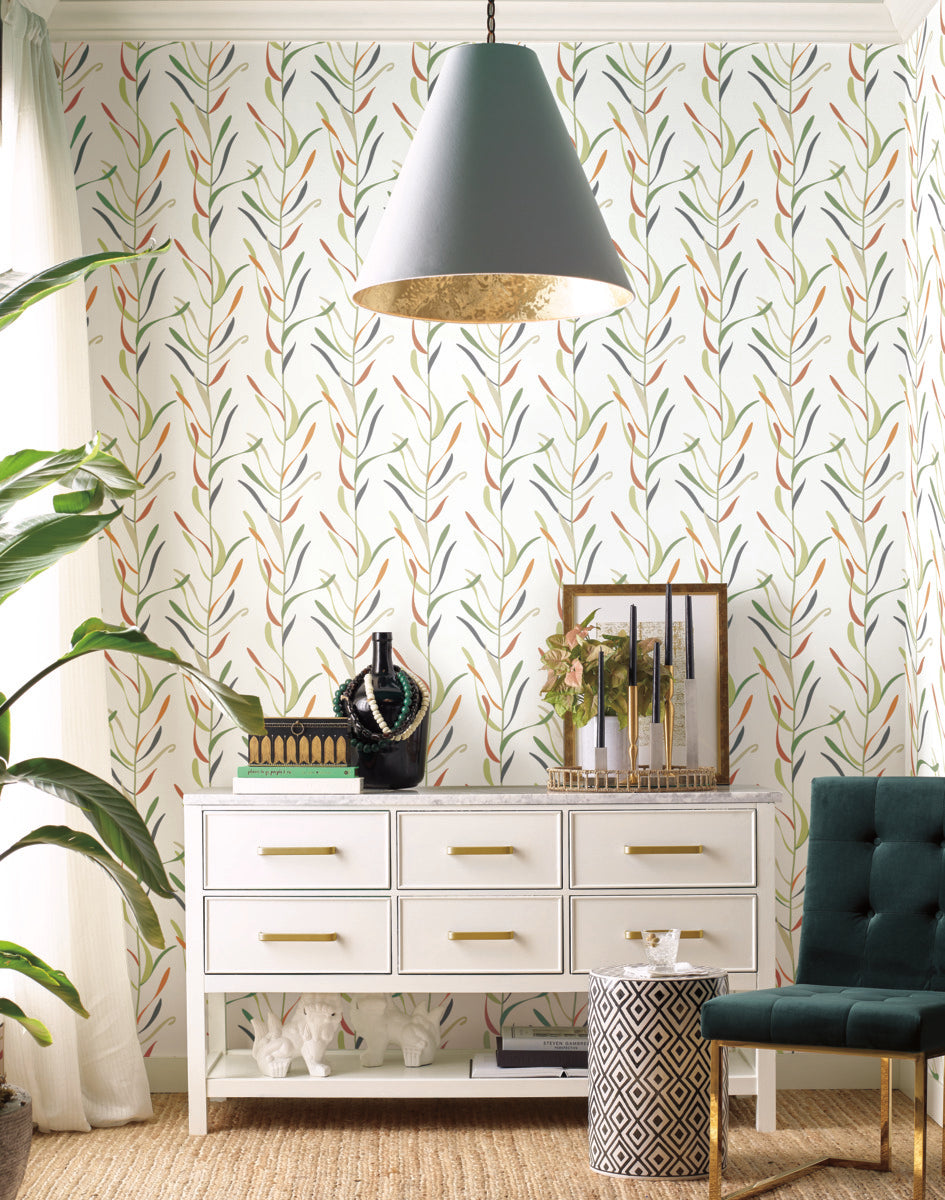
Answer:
(548, 1057)
(544, 1037)
(484, 1066)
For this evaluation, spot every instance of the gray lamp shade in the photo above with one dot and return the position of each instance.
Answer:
(492, 219)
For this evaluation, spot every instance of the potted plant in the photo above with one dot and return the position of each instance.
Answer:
(570, 686)
(121, 844)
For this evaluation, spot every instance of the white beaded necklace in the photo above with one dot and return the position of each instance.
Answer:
(402, 734)
(373, 705)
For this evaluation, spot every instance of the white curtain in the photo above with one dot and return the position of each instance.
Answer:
(54, 903)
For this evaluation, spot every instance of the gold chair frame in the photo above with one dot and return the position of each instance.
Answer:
(920, 1064)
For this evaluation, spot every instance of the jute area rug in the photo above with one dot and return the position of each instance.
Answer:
(449, 1150)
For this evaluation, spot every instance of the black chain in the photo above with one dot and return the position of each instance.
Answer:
(490, 21)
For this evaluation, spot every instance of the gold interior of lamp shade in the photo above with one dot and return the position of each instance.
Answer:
(493, 299)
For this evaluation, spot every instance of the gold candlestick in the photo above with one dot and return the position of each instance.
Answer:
(633, 725)
(669, 713)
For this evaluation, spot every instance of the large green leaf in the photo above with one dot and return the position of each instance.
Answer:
(95, 634)
(18, 958)
(38, 1030)
(112, 815)
(15, 299)
(90, 471)
(82, 843)
(99, 477)
(29, 548)
(4, 731)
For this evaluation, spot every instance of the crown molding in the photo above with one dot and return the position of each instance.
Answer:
(463, 20)
(908, 15)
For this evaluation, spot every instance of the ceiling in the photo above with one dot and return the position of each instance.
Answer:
(881, 21)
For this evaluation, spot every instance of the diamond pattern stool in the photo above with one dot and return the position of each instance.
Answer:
(648, 1073)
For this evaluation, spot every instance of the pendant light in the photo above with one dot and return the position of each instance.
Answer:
(492, 219)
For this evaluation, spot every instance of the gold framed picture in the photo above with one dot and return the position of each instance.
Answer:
(606, 607)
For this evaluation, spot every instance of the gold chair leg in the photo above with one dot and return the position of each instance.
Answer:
(715, 1089)
(776, 1181)
(918, 1168)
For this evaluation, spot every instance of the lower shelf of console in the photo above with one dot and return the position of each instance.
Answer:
(234, 1074)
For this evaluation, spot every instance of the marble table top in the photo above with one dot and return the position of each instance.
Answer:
(477, 794)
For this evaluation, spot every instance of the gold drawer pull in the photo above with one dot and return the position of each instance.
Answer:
(480, 849)
(662, 849)
(298, 937)
(491, 935)
(634, 935)
(296, 850)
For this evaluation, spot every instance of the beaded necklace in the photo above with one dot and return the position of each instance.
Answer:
(369, 741)
(407, 686)
(421, 710)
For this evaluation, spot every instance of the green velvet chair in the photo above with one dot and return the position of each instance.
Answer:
(871, 961)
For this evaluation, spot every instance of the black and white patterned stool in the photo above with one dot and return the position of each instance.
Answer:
(648, 1073)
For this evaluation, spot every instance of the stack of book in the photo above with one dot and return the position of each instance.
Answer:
(483, 1066)
(558, 1046)
(295, 779)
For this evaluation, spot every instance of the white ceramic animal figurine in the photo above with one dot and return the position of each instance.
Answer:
(312, 1025)
(273, 1049)
(308, 1032)
(379, 1022)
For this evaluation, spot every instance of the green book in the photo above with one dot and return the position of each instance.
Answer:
(291, 771)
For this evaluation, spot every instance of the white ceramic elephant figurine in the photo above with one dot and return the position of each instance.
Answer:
(307, 1032)
(378, 1022)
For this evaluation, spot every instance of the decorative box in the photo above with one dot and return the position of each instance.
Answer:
(303, 741)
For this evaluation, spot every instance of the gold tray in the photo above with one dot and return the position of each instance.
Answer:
(676, 779)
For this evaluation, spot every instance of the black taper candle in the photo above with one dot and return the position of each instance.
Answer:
(657, 705)
(690, 647)
(668, 637)
(600, 699)
(633, 645)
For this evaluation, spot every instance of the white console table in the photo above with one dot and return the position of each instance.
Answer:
(584, 872)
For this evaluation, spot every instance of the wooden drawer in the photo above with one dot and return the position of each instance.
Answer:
(479, 850)
(727, 925)
(426, 923)
(353, 935)
(663, 849)
(296, 850)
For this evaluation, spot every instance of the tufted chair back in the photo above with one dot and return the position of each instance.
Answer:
(875, 890)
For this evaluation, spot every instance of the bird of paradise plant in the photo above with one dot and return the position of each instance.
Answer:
(92, 479)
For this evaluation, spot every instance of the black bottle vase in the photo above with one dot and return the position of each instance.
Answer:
(402, 765)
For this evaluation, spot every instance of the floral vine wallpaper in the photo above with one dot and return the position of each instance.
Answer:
(767, 412)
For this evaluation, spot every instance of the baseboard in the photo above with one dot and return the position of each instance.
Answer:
(933, 1087)
(935, 1098)
(824, 1071)
(166, 1074)
(801, 1071)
